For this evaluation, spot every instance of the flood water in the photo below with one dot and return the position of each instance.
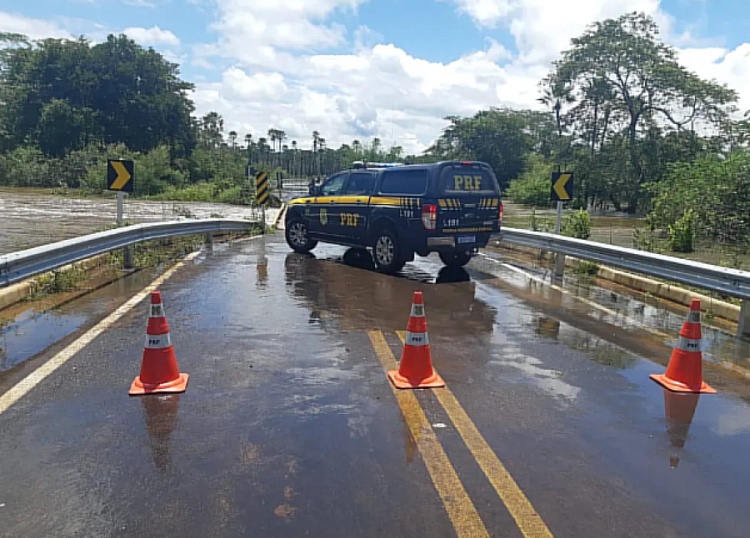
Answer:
(613, 228)
(30, 218)
(33, 219)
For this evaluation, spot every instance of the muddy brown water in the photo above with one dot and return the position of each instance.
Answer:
(31, 219)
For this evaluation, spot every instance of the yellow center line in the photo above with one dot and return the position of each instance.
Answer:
(528, 520)
(461, 510)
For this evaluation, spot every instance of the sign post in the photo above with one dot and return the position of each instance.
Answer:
(262, 193)
(120, 179)
(561, 190)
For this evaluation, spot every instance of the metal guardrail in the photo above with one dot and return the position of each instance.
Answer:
(20, 265)
(732, 282)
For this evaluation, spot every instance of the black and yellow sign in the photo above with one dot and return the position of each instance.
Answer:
(120, 175)
(262, 188)
(562, 186)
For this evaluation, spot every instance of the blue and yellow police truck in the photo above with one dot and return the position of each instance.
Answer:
(450, 207)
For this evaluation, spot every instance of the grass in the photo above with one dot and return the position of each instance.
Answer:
(586, 268)
(144, 255)
(205, 192)
(200, 192)
(57, 282)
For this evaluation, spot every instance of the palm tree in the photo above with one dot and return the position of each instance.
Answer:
(233, 139)
(281, 136)
(213, 126)
(322, 154)
(262, 149)
(316, 140)
(294, 158)
(272, 137)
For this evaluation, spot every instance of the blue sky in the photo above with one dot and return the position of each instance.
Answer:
(388, 68)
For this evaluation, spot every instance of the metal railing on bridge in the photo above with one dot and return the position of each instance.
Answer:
(293, 188)
(724, 280)
(21, 265)
(27, 263)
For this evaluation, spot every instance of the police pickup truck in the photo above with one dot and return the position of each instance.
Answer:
(451, 208)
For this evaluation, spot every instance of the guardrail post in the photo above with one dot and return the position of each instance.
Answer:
(743, 323)
(559, 270)
(209, 239)
(127, 253)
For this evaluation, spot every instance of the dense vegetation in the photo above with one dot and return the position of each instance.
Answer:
(642, 134)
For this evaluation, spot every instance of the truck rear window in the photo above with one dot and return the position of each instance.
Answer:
(467, 180)
(404, 182)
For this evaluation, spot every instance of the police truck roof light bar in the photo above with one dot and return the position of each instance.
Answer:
(363, 164)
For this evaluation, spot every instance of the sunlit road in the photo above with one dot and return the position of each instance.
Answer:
(548, 426)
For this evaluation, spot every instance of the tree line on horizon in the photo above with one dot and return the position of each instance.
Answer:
(642, 134)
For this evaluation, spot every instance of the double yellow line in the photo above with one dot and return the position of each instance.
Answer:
(459, 506)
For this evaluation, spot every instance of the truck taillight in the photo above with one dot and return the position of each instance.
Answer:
(429, 216)
(500, 213)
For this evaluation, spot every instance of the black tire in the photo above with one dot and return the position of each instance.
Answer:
(386, 252)
(297, 237)
(455, 258)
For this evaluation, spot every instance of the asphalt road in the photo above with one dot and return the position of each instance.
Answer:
(549, 425)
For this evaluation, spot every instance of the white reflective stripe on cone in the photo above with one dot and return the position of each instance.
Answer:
(417, 310)
(417, 339)
(694, 316)
(688, 344)
(157, 311)
(158, 341)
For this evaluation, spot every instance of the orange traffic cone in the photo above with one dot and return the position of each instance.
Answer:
(415, 370)
(685, 370)
(159, 370)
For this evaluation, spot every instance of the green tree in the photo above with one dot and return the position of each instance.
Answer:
(716, 190)
(500, 137)
(621, 79)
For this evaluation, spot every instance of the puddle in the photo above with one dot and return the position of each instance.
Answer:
(35, 327)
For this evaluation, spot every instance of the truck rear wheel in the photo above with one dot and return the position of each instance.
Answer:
(387, 252)
(455, 258)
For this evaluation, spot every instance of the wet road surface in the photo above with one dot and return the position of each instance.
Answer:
(289, 426)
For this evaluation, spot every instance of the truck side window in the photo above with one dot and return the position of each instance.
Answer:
(334, 185)
(404, 183)
(360, 184)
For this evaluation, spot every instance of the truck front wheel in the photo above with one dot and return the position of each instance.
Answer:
(297, 237)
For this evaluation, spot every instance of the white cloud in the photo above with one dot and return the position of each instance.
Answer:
(33, 28)
(140, 3)
(247, 27)
(152, 36)
(543, 28)
(279, 64)
(731, 67)
(379, 89)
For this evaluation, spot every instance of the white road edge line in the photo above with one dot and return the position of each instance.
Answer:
(25, 386)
